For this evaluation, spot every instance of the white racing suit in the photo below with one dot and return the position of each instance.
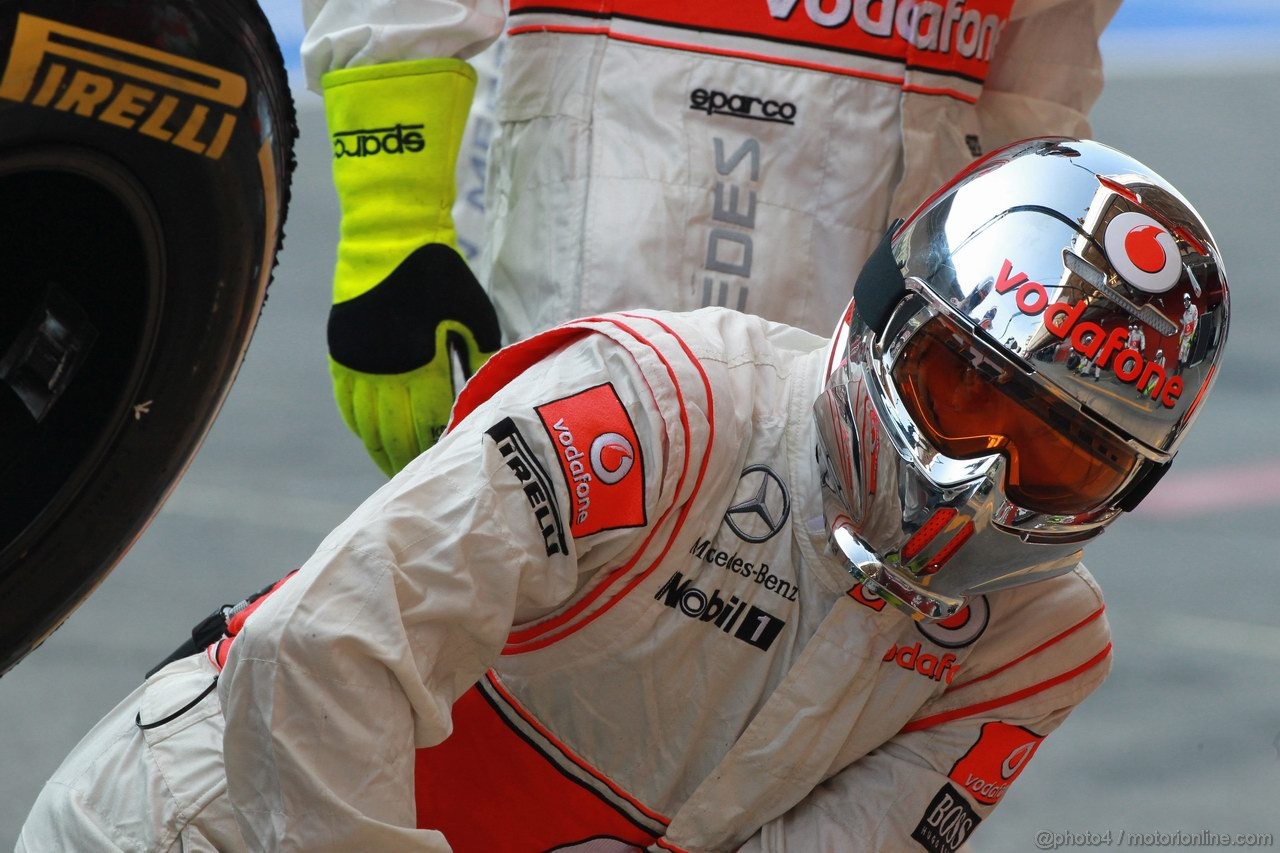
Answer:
(675, 154)
(613, 572)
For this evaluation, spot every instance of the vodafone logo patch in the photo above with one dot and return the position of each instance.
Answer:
(596, 445)
(987, 770)
(1143, 252)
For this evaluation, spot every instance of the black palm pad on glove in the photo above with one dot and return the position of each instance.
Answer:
(399, 349)
(393, 327)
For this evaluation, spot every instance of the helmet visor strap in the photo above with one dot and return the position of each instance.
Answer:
(880, 285)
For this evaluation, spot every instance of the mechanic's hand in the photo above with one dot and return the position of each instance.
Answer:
(400, 352)
(409, 322)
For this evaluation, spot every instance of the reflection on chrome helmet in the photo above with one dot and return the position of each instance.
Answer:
(1018, 366)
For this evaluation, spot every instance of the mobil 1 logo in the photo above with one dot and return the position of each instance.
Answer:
(948, 822)
(742, 621)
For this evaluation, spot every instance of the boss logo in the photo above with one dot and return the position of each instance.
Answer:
(167, 97)
(400, 139)
(712, 102)
(948, 822)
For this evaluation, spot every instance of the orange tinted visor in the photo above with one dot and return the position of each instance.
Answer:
(970, 405)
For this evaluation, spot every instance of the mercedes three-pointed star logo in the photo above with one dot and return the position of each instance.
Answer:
(763, 511)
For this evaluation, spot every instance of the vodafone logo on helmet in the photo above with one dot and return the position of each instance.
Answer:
(1143, 252)
(1064, 321)
(612, 457)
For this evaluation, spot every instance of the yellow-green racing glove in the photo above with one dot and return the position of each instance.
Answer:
(409, 321)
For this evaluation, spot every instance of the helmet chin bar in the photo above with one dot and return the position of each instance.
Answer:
(916, 601)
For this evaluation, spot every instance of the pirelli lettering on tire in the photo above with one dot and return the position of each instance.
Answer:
(160, 95)
(535, 481)
(725, 611)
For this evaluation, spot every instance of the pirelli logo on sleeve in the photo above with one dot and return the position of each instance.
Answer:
(534, 480)
(169, 98)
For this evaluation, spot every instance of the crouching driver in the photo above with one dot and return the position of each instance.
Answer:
(646, 593)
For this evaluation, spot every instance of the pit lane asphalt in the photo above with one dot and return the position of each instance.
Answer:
(1185, 735)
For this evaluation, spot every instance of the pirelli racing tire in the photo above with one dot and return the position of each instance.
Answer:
(145, 154)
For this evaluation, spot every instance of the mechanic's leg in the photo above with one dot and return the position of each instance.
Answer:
(148, 777)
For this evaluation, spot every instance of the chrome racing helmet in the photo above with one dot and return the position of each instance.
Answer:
(1019, 364)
